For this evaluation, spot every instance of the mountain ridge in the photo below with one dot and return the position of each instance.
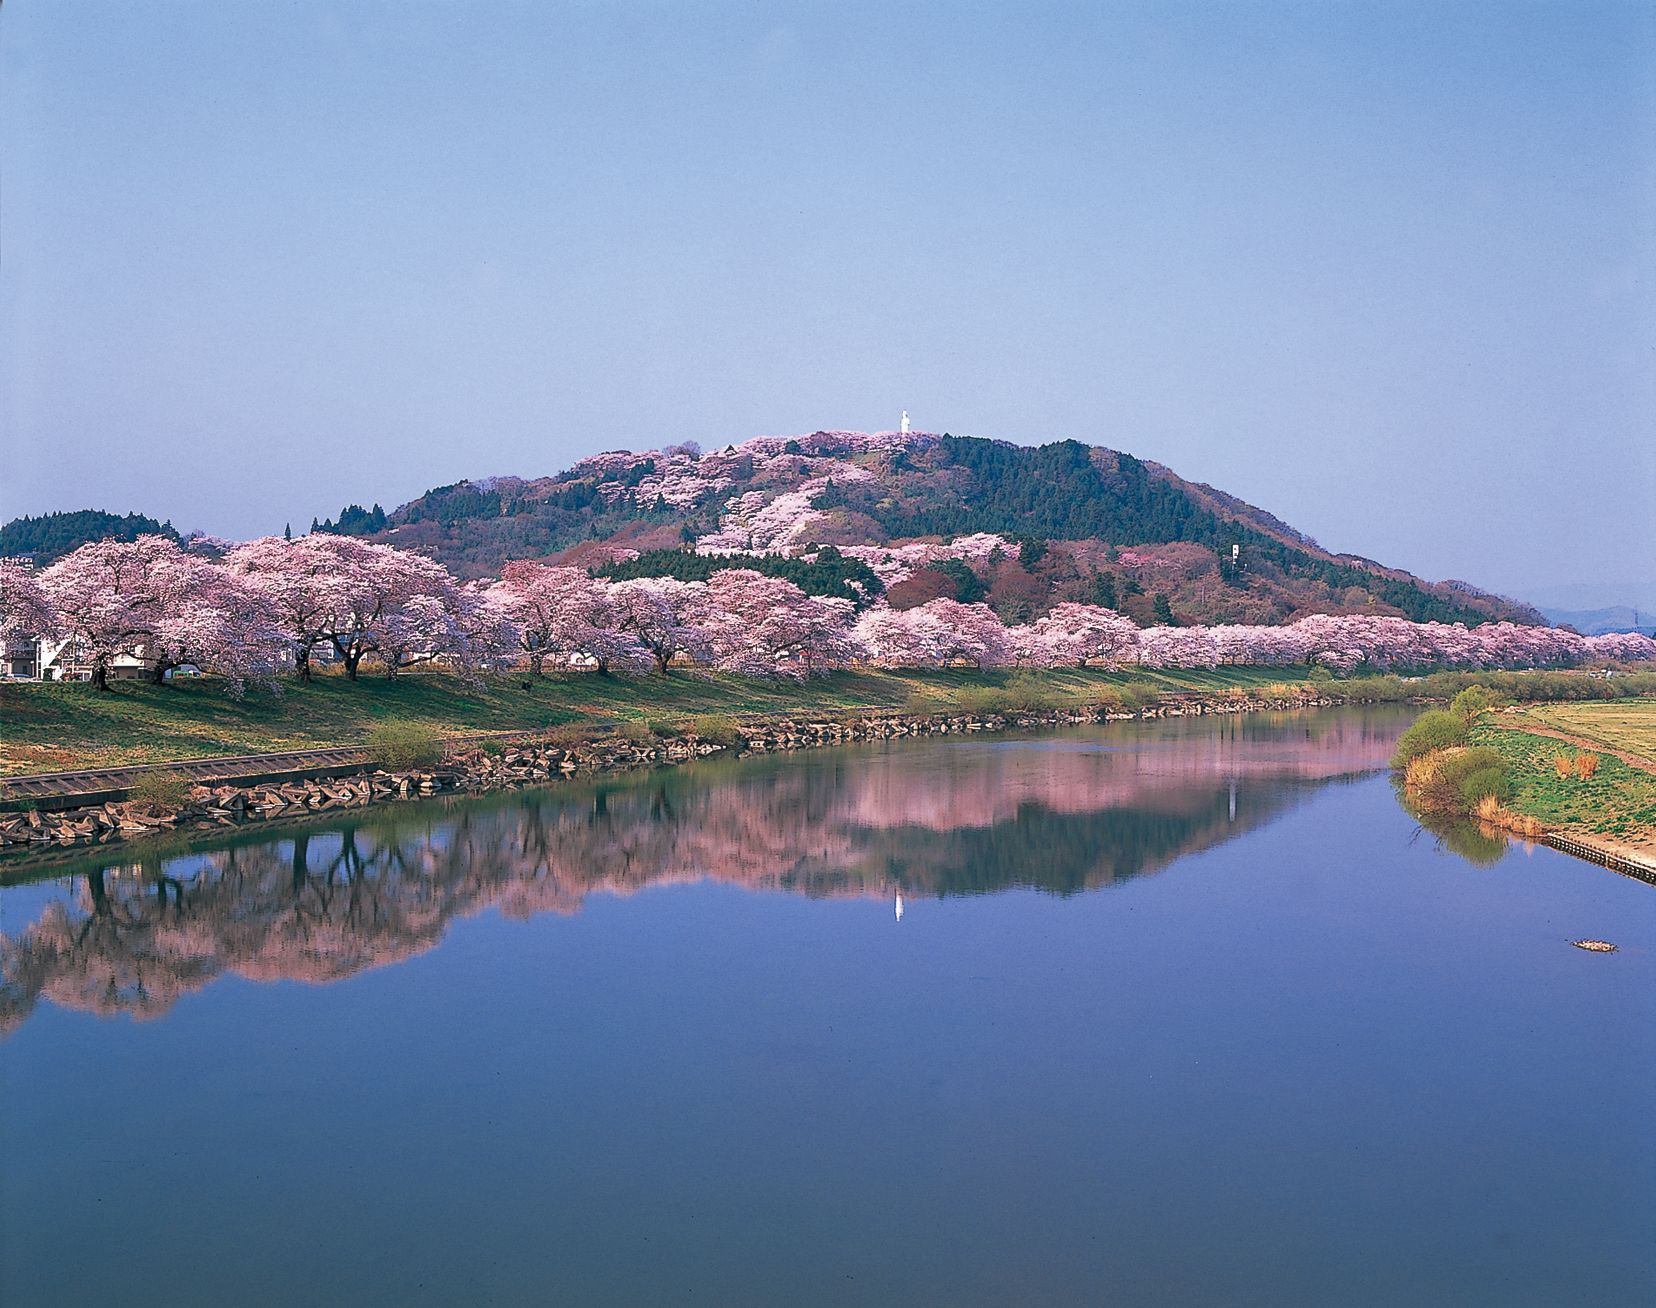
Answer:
(1021, 527)
(886, 491)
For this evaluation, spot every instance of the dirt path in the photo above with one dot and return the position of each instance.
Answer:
(1532, 728)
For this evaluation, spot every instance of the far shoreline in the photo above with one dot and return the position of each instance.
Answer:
(583, 722)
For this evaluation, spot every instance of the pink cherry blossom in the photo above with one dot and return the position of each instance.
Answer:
(766, 625)
(666, 617)
(24, 609)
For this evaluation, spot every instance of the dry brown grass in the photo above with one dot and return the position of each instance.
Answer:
(1493, 813)
(1581, 766)
(1420, 774)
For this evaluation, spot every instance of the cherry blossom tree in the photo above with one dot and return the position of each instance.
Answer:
(216, 621)
(563, 613)
(365, 600)
(969, 632)
(765, 625)
(1075, 634)
(938, 632)
(167, 608)
(1177, 647)
(109, 596)
(663, 615)
(894, 639)
(24, 610)
(1625, 646)
(301, 580)
(489, 631)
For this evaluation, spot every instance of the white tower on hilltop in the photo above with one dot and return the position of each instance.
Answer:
(905, 422)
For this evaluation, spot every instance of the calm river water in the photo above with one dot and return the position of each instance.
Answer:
(1165, 1013)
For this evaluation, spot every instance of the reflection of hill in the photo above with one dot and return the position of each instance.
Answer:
(931, 818)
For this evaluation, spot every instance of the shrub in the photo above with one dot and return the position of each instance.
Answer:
(1136, 694)
(160, 788)
(1030, 693)
(1485, 783)
(663, 728)
(984, 700)
(1586, 765)
(716, 729)
(1564, 765)
(1420, 773)
(1378, 690)
(633, 729)
(1473, 702)
(1433, 730)
(398, 745)
(1455, 780)
(568, 734)
(920, 704)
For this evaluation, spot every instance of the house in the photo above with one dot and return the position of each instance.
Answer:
(29, 658)
(20, 659)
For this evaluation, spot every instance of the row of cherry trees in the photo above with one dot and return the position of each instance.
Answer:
(272, 604)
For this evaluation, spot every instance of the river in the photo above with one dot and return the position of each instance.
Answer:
(1178, 1012)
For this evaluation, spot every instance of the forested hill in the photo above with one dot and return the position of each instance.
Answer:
(53, 535)
(1073, 522)
(911, 516)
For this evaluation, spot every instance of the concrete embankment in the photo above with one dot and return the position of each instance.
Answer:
(1607, 853)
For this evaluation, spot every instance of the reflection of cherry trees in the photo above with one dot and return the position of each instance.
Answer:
(927, 819)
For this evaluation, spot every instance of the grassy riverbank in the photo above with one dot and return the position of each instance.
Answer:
(1584, 770)
(1626, 726)
(1618, 796)
(55, 727)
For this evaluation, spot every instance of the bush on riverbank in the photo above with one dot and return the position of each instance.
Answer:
(160, 789)
(1437, 729)
(398, 745)
(716, 729)
(1455, 780)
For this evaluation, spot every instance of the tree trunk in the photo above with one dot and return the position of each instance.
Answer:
(100, 675)
(301, 847)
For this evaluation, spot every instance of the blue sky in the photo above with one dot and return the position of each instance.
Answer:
(1383, 269)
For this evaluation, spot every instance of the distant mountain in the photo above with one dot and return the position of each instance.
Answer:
(53, 535)
(1073, 522)
(1595, 622)
(1585, 596)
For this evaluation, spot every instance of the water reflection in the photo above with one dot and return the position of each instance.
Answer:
(1063, 814)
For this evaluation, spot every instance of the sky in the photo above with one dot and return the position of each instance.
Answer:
(1382, 269)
